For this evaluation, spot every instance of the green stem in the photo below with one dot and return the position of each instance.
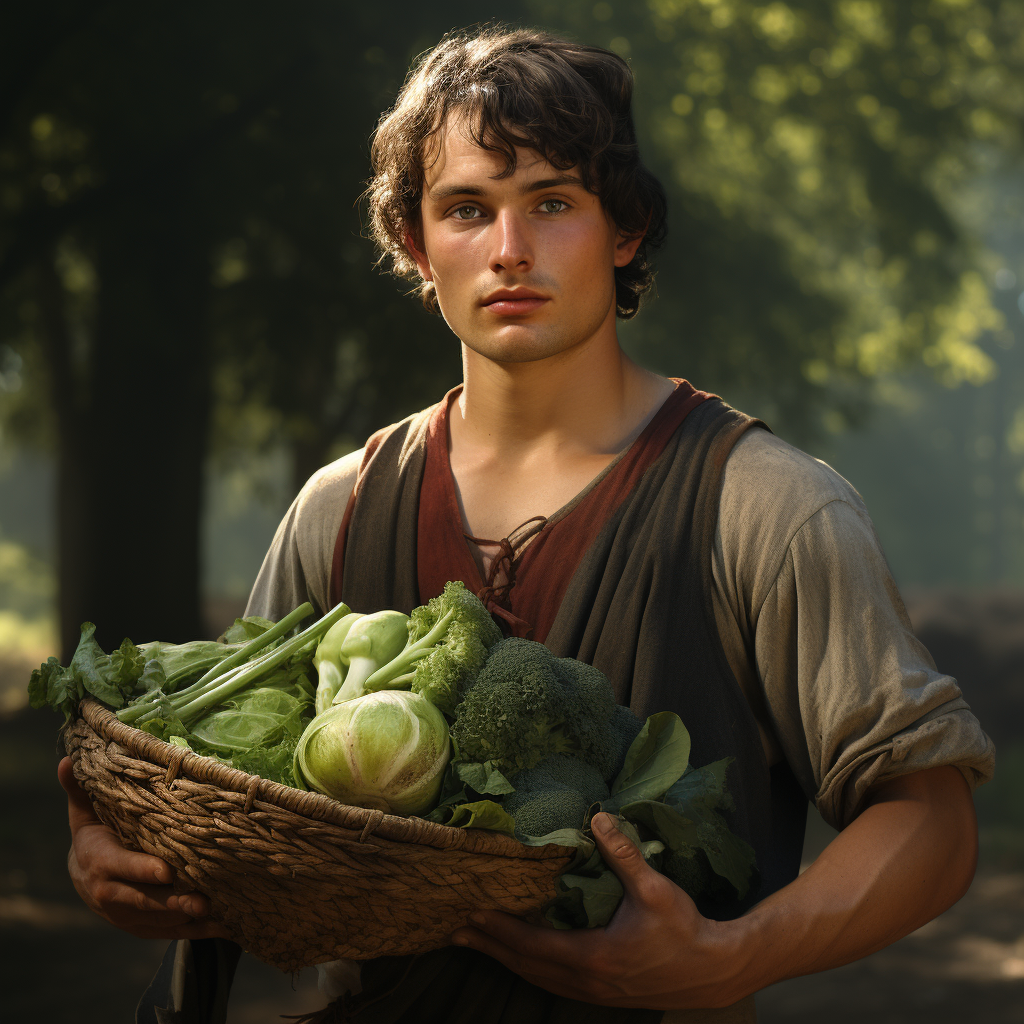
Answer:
(406, 661)
(257, 643)
(147, 710)
(247, 674)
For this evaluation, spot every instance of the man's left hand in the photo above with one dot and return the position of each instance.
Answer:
(657, 952)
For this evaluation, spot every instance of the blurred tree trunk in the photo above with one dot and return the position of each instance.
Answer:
(131, 467)
(73, 529)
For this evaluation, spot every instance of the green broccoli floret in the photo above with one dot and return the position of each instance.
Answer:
(555, 793)
(549, 810)
(448, 641)
(559, 770)
(526, 704)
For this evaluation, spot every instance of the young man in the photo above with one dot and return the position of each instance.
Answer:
(707, 567)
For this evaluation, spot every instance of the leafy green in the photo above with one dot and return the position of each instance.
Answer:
(109, 678)
(483, 778)
(258, 719)
(673, 814)
(482, 814)
(272, 762)
(245, 629)
(658, 758)
(590, 892)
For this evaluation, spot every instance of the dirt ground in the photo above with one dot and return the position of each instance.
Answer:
(61, 963)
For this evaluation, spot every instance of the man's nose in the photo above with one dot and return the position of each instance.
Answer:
(512, 247)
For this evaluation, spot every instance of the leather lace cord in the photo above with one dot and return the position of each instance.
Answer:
(495, 594)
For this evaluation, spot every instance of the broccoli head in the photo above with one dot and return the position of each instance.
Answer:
(526, 704)
(555, 793)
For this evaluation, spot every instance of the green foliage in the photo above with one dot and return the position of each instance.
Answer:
(258, 719)
(482, 814)
(109, 678)
(810, 151)
(678, 827)
(273, 761)
(657, 758)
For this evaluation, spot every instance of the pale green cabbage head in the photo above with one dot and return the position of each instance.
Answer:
(386, 750)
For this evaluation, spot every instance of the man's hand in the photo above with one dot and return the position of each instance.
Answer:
(130, 890)
(657, 952)
(908, 856)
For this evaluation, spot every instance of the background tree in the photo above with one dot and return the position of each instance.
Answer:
(182, 269)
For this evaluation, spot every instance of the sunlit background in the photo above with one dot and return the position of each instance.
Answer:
(191, 323)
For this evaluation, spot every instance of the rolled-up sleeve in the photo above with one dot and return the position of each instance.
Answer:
(853, 697)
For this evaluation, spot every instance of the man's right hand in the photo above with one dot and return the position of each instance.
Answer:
(130, 890)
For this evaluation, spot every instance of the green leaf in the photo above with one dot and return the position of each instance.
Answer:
(561, 837)
(40, 682)
(701, 788)
(153, 677)
(184, 663)
(484, 778)
(655, 760)
(245, 629)
(109, 678)
(482, 814)
(589, 894)
(729, 856)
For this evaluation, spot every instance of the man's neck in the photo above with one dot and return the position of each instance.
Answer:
(587, 402)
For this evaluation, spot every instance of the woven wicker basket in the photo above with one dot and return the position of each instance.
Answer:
(299, 878)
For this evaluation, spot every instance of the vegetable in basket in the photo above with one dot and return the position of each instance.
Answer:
(436, 651)
(371, 642)
(542, 746)
(246, 700)
(385, 750)
(329, 663)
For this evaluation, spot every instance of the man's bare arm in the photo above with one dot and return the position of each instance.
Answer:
(907, 857)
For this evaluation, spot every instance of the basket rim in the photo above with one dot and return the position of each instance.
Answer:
(317, 806)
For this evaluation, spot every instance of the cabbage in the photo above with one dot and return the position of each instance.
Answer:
(386, 750)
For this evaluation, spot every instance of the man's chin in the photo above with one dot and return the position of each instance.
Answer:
(525, 348)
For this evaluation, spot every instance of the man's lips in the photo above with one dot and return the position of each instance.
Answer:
(514, 303)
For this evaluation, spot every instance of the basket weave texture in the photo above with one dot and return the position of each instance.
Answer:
(299, 878)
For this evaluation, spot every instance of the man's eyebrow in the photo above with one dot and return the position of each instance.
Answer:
(451, 191)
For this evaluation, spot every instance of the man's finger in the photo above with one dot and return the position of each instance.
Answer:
(153, 899)
(97, 849)
(624, 858)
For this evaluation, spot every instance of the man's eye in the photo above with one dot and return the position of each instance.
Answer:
(553, 206)
(466, 212)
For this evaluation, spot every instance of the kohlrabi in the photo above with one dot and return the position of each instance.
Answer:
(385, 750)
(372, 641)
(330, 663)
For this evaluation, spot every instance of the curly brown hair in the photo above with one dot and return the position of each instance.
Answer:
(527, 89)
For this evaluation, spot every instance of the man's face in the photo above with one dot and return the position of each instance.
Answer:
(524, 266)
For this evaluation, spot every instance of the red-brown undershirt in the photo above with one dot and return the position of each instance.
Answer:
(531, 568)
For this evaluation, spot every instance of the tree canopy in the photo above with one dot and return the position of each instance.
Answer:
(182, 268)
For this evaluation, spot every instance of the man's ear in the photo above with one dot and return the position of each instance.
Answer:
(413, 247)
(626, 247)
